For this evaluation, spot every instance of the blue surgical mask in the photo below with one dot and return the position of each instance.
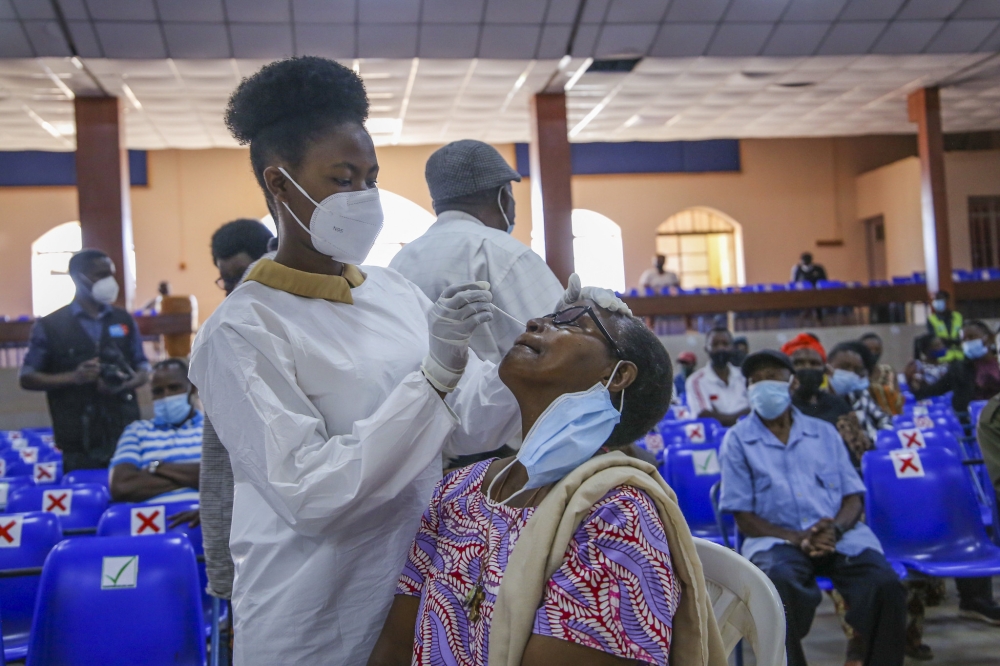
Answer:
(769, 398)
(974, 349)
(567, 434)
(844, 381)
(939, 305)
(172, 410)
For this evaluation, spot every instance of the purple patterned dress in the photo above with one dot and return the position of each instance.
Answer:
(615, 591)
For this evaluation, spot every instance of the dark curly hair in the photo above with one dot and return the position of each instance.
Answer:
(242, 235)
(867, 358)
(288, 102)
(648, 398)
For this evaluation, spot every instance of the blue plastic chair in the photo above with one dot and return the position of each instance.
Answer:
(40, 532)
(928, 523)
(692, 471)
(119, 601)
(907, 438)
(85, 503)
(975, 409)
(8, 485)
(117, 521)
(98, 476)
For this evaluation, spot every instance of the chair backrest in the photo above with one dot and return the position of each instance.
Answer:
(914, 438)
(98, 476)
(78, 506)
(25, 542)
(119, 600)
(745, 603)
(691, 471)
(148, 520)
(696, 431)
(920, 504)
(7, 486)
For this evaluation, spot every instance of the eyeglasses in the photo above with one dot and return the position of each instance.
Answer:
(224, 284)
(571, 315)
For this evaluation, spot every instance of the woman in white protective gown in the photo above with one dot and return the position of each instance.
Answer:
(334, 388)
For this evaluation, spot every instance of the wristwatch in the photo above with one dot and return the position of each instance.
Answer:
(153, 466)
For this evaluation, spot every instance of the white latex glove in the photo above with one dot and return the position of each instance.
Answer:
(605, 298)
(456, 314)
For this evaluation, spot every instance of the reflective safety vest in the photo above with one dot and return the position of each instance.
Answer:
(950, 335)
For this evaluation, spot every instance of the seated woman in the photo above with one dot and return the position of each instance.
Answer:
(613, 599)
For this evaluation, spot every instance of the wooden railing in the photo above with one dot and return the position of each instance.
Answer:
(17, 332)
(696, 304)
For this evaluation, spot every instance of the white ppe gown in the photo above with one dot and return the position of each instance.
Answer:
(458, 248)
(335, 439)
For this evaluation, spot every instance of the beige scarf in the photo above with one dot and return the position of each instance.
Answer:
(542, 544)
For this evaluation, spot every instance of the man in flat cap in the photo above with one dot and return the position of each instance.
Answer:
(470, 241)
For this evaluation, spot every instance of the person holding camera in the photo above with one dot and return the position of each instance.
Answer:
(88, 358)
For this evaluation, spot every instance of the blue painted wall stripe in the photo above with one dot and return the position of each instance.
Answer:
(25, 168)
(647, 157)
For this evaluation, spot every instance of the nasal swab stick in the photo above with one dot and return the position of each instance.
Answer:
(507, 314)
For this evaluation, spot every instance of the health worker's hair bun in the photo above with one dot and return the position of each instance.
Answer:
(307, 90)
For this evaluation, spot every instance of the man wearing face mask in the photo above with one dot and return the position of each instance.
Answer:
(790, 485)
(718, 390)
(469, 182)
(946, 324)
(157, 460)
(88, 358)
(976, 377)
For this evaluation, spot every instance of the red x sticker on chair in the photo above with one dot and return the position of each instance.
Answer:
(911, 439)
(4, 491)
(654, 442)
(3, 467)
(10, 531)
(45, 472)
(682, 412)
(59, 502)
(907, 464)
(924, 422)
(695, 432)
(148, 520)
(29, 454)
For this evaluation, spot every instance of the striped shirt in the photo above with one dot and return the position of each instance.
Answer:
(147, 440)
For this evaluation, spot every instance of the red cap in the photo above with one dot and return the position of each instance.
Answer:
(687, 357)
(803, 341)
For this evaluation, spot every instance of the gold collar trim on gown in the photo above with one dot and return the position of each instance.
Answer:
(308, 285)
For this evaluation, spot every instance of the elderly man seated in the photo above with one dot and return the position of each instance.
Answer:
(789, 482)
(158, 459)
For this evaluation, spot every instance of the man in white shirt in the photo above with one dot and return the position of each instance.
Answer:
(470, 186)
(658, 277)
(718, 390)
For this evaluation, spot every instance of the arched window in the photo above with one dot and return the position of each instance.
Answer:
(51, 286)
(405, 221)
(598, 257)
(703, 246)
(597, 250)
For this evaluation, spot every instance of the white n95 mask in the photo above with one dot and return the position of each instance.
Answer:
(567, 434)
(105, 290)
(343, 226)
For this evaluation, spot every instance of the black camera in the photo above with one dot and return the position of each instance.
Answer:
(115, 369)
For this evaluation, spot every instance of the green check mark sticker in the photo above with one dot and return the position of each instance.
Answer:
(705, 462)
(119, 572)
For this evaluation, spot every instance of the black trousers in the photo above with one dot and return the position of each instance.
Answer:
(876, 600)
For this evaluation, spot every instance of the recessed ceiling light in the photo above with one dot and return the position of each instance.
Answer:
(797, 84)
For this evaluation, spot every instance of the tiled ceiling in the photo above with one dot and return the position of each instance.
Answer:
(180, 103)
(501, 29)
(438, 70)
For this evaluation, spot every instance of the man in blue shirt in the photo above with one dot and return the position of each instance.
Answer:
(158, 460)
(87, 357)
(789, 483)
